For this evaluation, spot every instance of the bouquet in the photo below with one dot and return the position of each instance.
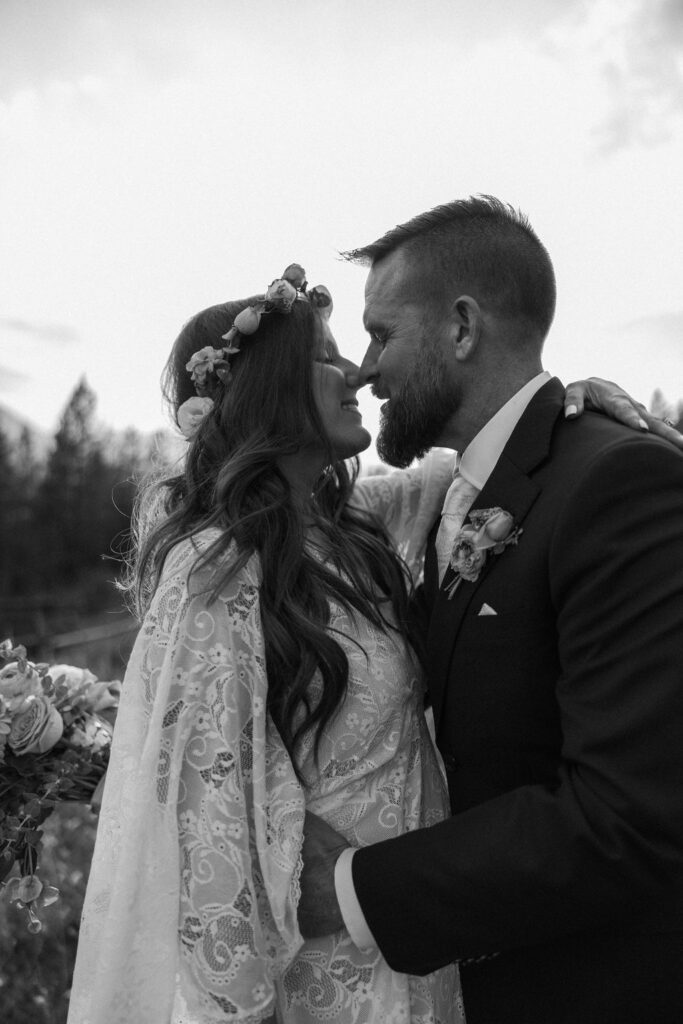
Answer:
(56, 726)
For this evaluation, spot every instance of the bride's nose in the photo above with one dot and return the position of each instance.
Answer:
(352, 375)
(350, 371)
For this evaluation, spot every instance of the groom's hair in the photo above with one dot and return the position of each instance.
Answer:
(478, 245)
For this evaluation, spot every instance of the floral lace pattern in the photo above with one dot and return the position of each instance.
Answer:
(190, 913)
(377, 776)
(409, 502)
(191, 905)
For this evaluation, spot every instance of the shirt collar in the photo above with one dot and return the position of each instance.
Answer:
(482, 453)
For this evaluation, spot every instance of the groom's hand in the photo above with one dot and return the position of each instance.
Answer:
(606, 396)
(319, 912)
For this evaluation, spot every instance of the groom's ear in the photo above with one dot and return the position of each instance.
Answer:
(465, 326)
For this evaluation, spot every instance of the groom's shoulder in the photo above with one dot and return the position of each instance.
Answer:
(594, 435)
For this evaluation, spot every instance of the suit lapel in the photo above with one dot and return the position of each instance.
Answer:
(509, 487)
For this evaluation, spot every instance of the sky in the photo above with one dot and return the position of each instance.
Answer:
(159, 156)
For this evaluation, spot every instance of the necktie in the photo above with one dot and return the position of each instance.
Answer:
(457, 503)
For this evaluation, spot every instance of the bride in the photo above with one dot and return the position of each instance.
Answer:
(275, 672)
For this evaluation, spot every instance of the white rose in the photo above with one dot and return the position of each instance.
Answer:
(17, 684)
(74, 677)
(282, 295)
(191, 413)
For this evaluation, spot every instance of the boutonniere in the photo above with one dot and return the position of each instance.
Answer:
(489, 531)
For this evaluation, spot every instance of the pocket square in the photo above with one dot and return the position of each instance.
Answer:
(486, 609)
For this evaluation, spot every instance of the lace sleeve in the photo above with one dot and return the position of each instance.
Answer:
(408, 501)
(191, 908)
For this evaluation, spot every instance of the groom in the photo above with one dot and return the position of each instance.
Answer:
(555, 664)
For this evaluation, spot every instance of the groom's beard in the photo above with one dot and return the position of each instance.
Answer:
(413, 421)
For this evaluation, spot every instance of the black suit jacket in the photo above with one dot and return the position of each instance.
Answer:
(560, 718)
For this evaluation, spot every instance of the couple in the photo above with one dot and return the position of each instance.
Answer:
(275, 674)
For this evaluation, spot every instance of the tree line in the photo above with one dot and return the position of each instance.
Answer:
(65, 518)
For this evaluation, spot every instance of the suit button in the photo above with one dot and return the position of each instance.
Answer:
(451, 762)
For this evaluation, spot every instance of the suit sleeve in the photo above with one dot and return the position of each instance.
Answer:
(603, 848)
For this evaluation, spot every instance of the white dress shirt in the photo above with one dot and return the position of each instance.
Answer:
(475, 465)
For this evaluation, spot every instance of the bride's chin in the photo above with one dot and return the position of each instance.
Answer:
(362, 444)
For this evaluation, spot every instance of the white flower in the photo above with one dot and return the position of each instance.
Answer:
(91, 694)
(204, 361)
(93, 733)
(18, 682)
(247, 321)
(282, 295)
(73, 677)
(191, 414)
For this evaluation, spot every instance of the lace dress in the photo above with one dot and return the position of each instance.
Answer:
(190, 913)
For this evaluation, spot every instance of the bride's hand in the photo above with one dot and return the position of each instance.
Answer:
(606, 396)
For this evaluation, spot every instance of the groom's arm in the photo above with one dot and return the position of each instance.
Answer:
(606, 846)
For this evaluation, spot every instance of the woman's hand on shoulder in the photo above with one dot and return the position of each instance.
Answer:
(607, 397)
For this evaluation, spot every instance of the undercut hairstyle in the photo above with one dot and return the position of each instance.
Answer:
(231, 480)
(480, 246)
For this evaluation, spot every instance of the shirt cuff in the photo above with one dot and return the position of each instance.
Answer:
(354, 918)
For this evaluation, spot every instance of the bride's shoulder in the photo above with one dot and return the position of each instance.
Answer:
(203, 557)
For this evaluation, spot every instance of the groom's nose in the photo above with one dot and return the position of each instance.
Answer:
(368, 368)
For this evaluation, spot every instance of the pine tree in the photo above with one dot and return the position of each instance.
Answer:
(27, 473)
(65, 506)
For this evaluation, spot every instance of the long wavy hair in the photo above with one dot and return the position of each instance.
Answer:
(232, 480)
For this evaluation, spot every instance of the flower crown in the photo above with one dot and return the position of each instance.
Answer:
(279, 297)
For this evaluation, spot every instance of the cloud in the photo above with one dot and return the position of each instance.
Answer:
(42, 43)
(59, 334)
(643, 73)
(659, 327)
(634, 51)
(10, 379)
